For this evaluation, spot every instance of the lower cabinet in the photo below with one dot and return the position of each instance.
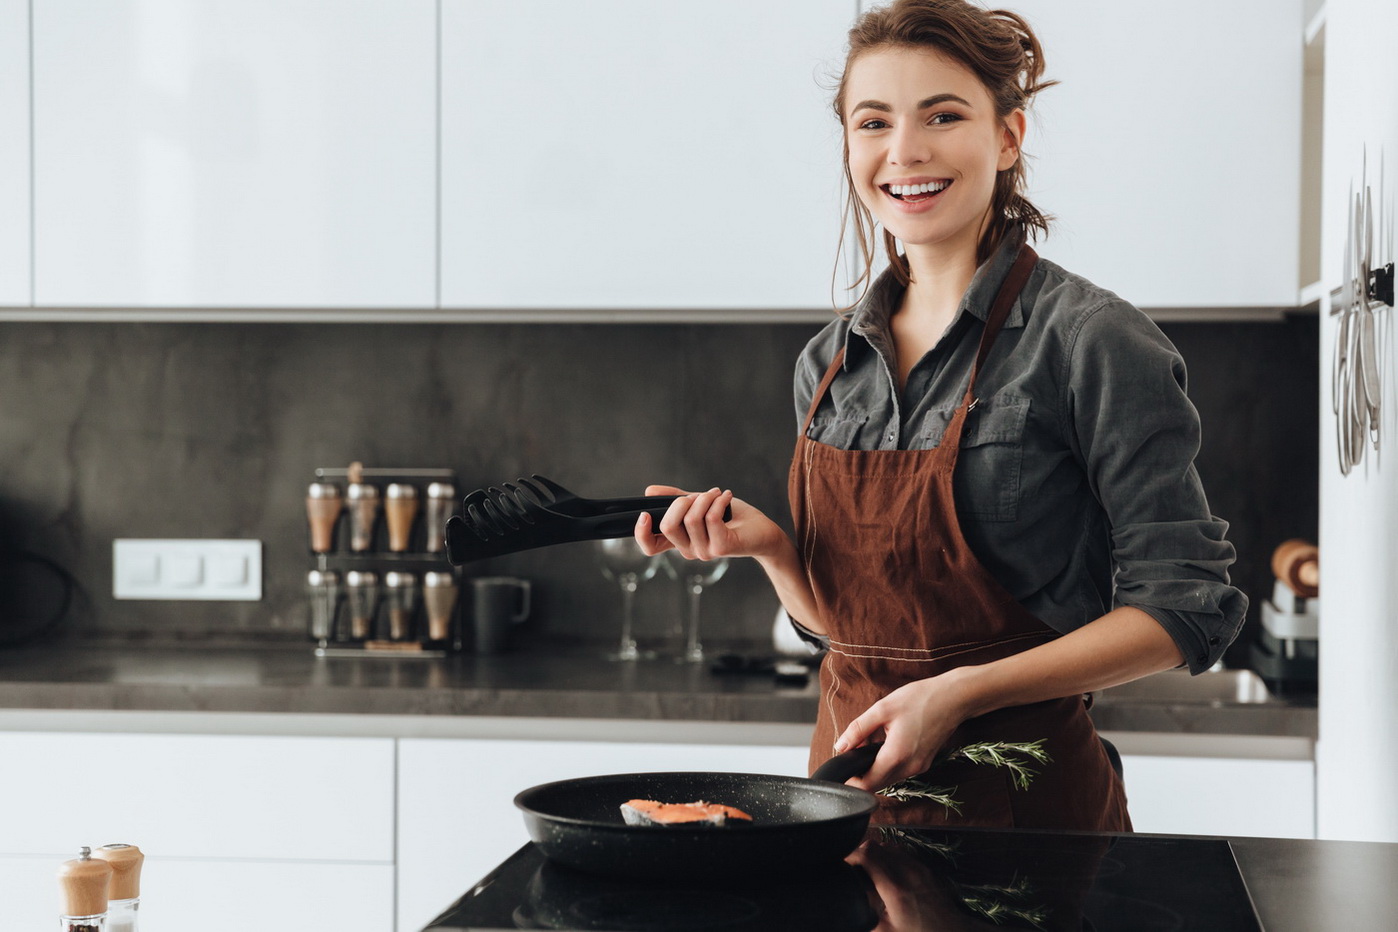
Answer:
(456, 815)
(1220, 796)
(242, 832)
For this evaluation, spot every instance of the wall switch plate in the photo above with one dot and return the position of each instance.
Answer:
(226, 570)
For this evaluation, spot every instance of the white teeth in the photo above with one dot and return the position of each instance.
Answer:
(906, 189)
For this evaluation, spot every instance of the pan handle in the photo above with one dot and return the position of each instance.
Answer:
(852, 763)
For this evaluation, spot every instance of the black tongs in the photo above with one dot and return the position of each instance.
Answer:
(538, 512)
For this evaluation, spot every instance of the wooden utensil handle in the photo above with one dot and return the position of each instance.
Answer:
(1296, 563)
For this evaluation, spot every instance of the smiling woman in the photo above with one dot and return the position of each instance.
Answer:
(993, 491)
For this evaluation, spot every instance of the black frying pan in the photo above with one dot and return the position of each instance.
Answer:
(797, 823)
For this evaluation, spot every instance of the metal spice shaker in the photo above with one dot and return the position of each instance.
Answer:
(83, 882)
(323, 590)
(439, 597)
(400, 594)
(441, 504)
(124, 890)
(323, 506)
(362, 588)
(400, 509)
(363, 503)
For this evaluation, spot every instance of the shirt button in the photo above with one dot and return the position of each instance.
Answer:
(1213, 641)
(1203, 658)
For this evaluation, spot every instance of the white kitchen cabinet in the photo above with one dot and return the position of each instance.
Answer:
(1171, 152)
(629, 155)
(1220, 796)
(219, 896)
(456, 815)
(234, 153)
(14, 153)
(304, 823)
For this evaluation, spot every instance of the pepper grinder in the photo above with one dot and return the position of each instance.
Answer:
(124, 890)
(400, 592)
(400, 508)
(84, 882)
(441, 503)
(323, 589)
(363, 500)
(362, 587)
(439, 596)
(323, 505)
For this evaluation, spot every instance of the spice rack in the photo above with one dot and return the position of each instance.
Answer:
(349, 620)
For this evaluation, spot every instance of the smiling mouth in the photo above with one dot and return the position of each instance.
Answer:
(915, 198)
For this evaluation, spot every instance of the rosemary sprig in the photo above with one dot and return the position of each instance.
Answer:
(913, 788)
(891, 835)
(993, 753)
(998, 911)
(997, 754)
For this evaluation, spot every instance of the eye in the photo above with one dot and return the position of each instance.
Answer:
(936, 117)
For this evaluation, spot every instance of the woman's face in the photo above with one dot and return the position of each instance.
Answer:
(894, 139)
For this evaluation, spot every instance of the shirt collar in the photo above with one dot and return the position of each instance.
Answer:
(871, 316)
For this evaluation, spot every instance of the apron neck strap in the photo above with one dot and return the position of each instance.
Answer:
(999, 312)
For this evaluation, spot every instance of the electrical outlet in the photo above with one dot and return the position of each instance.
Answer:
(227, 570)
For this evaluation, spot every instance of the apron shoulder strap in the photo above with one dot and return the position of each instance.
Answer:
(822, 388)
(1000, 311)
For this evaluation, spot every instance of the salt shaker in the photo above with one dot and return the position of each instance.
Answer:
(323, 505)
(124, 890)
(400, 509)
(363, 505)
(84, 881)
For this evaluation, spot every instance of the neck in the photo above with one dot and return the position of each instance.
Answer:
(941, 273)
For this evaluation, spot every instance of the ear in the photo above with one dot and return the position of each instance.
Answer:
(1014, 126)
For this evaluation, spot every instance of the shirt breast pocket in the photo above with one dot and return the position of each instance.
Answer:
(987, 478)
(836, 431)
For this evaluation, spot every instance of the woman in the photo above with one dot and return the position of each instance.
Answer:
(993, 491)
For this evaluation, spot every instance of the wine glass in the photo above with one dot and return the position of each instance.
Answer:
(624, 562)
(696, 575)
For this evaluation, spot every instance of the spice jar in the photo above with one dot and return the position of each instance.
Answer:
(83, 882)
(124, 889)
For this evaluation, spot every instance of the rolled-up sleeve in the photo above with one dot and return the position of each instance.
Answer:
(1136, 433)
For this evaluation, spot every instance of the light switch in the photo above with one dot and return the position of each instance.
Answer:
(187, 569)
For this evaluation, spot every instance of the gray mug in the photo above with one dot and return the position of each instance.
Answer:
(498, 603)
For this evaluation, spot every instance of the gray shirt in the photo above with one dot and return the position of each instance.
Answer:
(1075, 485)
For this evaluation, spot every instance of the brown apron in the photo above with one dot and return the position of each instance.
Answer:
(904, 598)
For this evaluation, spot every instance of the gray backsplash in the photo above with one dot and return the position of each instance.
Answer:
(213, 430)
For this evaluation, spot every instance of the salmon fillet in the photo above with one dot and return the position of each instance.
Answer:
(650, 812)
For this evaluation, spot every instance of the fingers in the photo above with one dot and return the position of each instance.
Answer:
(686, 524)
(647, 539)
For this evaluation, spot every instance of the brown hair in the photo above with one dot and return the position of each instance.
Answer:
(998, 47)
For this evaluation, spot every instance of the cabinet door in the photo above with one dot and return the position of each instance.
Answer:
(456, 815)
(1220, 796)
(1171, 152)
(627, 154)
(14, 153)
(219, 896)
(199, 796)
(235, 153)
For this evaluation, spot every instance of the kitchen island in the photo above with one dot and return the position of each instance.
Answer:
(915, 881)
(271, 764)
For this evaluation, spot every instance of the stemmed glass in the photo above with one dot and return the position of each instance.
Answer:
(624, 562)
(696, 575)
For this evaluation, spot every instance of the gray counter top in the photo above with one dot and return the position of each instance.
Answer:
(563, 683)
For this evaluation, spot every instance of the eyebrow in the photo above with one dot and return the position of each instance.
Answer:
(922, 105)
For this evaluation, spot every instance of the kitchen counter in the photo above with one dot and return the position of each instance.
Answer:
(1150, 881)
(558, 684)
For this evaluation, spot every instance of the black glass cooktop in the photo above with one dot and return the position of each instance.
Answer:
(899, 880)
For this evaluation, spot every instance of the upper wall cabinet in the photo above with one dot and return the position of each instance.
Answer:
(1171, 152)
(628, 154)
(233, 153)
(14, 153)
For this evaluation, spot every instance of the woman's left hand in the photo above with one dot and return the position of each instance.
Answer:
(916, 720)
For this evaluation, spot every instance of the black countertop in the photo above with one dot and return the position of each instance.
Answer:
(217, 676)
(961, 879)
(1126, 883)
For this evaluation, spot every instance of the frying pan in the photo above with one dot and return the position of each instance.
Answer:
(798, 823)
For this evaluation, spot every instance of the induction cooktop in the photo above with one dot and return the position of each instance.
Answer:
(898, 880)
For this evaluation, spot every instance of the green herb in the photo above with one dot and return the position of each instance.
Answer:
(949, 849)
(993, 753)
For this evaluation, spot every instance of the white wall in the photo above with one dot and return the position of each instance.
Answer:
(1357, 754)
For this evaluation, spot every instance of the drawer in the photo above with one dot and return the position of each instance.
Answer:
(206, 796)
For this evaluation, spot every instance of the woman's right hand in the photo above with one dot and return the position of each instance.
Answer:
(694, 526)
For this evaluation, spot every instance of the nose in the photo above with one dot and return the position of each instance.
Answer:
(908, 145)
